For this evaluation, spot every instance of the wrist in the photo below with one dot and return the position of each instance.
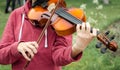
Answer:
(75, 51)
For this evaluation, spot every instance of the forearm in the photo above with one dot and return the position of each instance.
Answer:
(75, 51)
(78, 47)
(62, 52)
(63, 57)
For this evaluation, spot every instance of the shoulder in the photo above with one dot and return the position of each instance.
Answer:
(15, 14)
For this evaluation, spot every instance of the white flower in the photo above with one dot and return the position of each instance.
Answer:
(99, 7)
(95, 1)
(83, 6)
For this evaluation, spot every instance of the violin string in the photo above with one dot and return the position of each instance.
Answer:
(72, 17)
(62, 13)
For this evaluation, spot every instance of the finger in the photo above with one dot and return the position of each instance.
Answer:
(78, 27)
(35, 44)
(32, 48)
(29, 51)
(25, 55)
(83, 26)
(88, 27)
(95, 31)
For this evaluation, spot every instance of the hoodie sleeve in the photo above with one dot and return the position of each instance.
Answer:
(8, 46)
(62, 51)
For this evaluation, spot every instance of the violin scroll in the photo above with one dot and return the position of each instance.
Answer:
(108, 42)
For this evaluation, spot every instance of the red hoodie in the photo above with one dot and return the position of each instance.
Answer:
(57, 54)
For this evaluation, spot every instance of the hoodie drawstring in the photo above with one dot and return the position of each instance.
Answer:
(46, 44)
(21, 28)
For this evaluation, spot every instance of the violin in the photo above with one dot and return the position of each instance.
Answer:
(65, 21)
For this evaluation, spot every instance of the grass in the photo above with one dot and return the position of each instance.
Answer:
(103, 19)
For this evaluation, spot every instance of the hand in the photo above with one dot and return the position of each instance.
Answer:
(84, 37)
(27, 49)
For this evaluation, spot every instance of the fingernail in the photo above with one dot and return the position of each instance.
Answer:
(29, 59)
(35, 52)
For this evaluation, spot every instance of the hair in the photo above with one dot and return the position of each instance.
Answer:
(39, 2)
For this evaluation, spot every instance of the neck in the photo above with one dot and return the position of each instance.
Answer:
(33, 1)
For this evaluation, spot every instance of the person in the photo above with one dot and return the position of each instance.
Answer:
(13, 5)
(19, 2)
(54, 51)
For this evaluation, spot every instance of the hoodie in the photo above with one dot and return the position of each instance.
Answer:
(53, 57)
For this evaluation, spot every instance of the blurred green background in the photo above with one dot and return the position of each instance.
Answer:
(105, 16)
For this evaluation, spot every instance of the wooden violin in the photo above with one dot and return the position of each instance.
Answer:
(65, 22)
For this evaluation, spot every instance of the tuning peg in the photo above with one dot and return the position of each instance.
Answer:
(98, 45)
(107, 32)
(113, 37)
(103, 50)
